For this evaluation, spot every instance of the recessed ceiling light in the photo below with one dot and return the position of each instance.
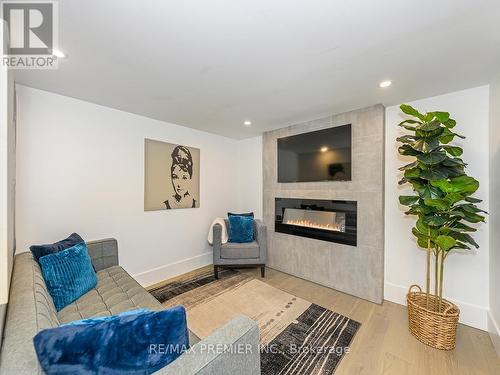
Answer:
(247, 123)
(324, 149)
(58, 53)
(385, 84)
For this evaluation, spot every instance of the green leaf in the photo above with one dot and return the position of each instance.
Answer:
(429, 126)
(440, 204)
(450, 123)
(469, 207)
(445, 242)
(426, 191)
(460, 245)
(453, 198)
(453, 172)
(409, 121)
(409, 166)
(423, 244)
(435, 220)
(406, 139)
(408, 200)
(464, 237)
(432, 158)
(464, 184)
(409, 110)
(447, 136)
(424, 228)
(453, 150)
(407, 150)
(412, 173)
(473, 218)
(442, 116)
(458, 226)
(453, 162)
(419, 235)
(434, 174)
(425, 145)
(461, 184)
(457, 214)
(473, 200)
(443, 185)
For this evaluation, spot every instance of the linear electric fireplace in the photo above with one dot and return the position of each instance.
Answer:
(327, 220)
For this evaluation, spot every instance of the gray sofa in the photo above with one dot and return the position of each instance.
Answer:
(240, 254)
(31, 309)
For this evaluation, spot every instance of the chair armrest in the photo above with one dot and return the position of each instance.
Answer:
(103, 253)
(232, 349)
(217, 240)
(261, 238)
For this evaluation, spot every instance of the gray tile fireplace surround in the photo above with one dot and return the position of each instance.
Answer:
(357, 270)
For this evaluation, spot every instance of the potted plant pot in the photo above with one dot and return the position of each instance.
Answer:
(434, 326)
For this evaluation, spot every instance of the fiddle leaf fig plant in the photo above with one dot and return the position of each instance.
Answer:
(443, 201)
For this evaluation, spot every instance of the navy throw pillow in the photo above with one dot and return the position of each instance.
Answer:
(240, 229)
(244, 214)
(39, 251)
(125, 344)
(68, 274)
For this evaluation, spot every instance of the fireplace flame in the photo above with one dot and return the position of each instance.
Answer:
(311, 224)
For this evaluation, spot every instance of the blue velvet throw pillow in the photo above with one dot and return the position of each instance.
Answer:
(99, 319)
(244, 214)
(240, 229)
(39, 251)
(126, 344)
(68, 274)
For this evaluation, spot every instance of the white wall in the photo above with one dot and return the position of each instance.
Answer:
(494, 321)
(250, 176)
(81, 168)
(7, 179)
(466, 276)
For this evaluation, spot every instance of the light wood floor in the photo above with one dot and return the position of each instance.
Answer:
(383, 344)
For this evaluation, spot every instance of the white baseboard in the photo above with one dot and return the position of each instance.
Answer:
(494, 330)
(471, 315)
(167, 271)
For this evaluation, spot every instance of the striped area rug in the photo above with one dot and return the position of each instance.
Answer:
(297, 336)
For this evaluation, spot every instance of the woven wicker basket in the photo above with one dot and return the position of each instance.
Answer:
(433, 328)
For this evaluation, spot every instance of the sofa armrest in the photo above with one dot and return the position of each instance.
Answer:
(217, 241)
(261, 238)
(103, 253)
(232, 349)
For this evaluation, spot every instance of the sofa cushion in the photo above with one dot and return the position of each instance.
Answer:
(116, 291)
(39, 251)
(239, 250)
(68, 274)
(133, 343)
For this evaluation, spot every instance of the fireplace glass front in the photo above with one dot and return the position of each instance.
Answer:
(326, 220)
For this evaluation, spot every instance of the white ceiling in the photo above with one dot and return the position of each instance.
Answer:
(212, 64)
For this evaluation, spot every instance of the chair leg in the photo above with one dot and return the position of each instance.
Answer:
(262, 271)
(216, 272)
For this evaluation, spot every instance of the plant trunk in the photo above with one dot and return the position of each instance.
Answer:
(436, 275)
(428, 281)
(441, 280)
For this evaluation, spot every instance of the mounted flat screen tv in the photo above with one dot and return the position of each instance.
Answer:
(323, 155)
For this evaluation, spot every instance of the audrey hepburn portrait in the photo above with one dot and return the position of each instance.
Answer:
(172, 176)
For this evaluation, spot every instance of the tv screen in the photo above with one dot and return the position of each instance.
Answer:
(323, 155)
